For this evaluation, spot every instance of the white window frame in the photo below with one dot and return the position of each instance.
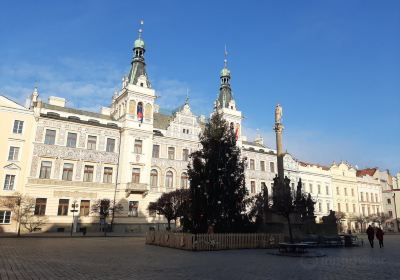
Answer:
(2, 219)
(20, 127)
(76, 142)
(55, 136)
(8, 185)
(14, 158)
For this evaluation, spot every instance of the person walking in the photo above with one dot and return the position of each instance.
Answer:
(370, 234)
(379, 236)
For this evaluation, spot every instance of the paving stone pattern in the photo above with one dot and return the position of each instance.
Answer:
(129, 258)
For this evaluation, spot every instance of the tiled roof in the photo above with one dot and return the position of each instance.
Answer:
(366, 171)
(161, 121)
(75, 111)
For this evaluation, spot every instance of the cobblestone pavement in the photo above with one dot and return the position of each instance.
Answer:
(129, 258)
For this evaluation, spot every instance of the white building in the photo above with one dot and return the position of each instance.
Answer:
(317, 181)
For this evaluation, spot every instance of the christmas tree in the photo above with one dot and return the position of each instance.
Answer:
(217, 182)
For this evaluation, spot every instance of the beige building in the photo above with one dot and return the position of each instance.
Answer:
(369, 193)
(18, 128)
(345, 194)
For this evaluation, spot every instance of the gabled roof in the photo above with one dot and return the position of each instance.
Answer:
(305, 164)
(366, 171)
(7, 102)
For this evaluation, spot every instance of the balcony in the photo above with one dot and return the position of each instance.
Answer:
(136, 188)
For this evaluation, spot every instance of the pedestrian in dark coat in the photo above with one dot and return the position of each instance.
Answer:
(379, 236)
(371, 234)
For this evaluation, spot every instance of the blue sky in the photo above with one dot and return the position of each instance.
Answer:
(333, 65)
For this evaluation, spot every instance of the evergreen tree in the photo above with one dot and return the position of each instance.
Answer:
(217, 182)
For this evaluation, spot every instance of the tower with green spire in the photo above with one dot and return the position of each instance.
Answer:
(137, 74)
(225, 102)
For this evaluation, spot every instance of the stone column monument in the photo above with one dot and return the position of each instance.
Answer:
(279, 146)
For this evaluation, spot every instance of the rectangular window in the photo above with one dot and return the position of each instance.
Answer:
(319, 189)
(50, 137)
(319, 207)
(91, 142)
(84, 208)
(272, 167)
(252, 167)
(40, 206)
(389, 201)
(253, 187)
(262, 165)
(71, 139)
(13, 153)
(63, 207)
(362, 196)
(88, 173)
(67, 171)
(327, 190)
(5, 217)
(133, 208)
(9, 182)
(18, 125)
(352, 192)
(337, 191)
(347, 207)
(354, 209)
(345, 191)
(390, 214)
(136, 175)
(338, 207)
(107, 175)
(328, 206)
(363, 210)
(367, 197)
(185, 154)
(110, 147)
(45, 170)
(138, 146)
(376, 197)
(156, 151)
(311, 188)
(171, 153)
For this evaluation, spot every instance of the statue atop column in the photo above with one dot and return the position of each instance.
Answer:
(278, 114)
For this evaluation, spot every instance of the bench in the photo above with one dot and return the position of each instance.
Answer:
(296, 248)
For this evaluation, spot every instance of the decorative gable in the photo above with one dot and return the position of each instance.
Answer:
(12, 166)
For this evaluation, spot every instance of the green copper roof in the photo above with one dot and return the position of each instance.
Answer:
(139, 43)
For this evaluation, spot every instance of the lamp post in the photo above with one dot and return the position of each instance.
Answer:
(73, 210)
(395, 211)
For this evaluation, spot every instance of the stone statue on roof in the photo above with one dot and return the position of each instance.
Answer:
(278, 114)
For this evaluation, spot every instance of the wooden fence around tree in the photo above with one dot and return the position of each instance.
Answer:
(211, 242)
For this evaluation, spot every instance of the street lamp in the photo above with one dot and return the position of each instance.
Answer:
(395, 211)
(73, 210)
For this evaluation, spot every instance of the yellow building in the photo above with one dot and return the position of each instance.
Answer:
(17, 127)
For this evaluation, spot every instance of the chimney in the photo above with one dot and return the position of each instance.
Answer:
(57, 101)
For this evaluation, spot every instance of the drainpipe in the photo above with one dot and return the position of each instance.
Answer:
(116, 179)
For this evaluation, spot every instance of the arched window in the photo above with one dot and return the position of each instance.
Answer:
(169, 180)
(148, 111)
(139, 111)
(184, 180)
(132, 107)
(153, 178)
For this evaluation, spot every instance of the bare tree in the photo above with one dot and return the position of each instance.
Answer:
(105, 207)
(171, 205)
(22, 207)
(339, 218)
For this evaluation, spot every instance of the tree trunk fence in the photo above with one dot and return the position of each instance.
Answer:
(212, 242)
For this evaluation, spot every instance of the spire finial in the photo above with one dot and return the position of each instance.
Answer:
(187, 96)
(226, 57)
(141, 28)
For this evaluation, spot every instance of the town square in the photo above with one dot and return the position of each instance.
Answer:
(204, 140)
